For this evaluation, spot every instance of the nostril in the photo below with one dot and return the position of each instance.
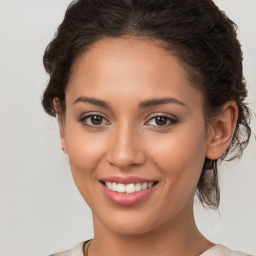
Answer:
(125, 154)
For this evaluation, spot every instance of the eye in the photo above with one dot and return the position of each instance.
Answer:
(162, 120)
(93, 120)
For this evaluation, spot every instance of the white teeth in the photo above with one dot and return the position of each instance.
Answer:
(120, 188)
(144, 185)
(109, 185)
(114, 186)
(129, 188)
(138, 187)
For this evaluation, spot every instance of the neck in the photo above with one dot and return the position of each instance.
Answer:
(179, 236)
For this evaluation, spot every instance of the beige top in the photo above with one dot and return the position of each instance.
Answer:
(217, 250)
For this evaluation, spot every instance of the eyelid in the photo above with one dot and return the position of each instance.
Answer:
(163, 115)
(173, 119)
(89, 114)
(93, 113)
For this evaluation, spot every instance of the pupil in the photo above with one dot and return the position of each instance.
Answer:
(96, 120)
(160, 120)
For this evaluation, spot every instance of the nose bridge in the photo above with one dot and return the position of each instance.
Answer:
(126, 147)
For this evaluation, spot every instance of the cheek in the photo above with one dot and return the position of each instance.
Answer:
(180, 157)
(85, 150)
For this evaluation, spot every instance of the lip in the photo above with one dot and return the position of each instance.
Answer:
(127, 199)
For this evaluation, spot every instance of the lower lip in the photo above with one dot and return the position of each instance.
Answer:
(127, 199)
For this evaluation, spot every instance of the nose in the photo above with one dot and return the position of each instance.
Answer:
(125, 148)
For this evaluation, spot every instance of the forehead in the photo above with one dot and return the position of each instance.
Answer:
(128, 53)
(129, 67)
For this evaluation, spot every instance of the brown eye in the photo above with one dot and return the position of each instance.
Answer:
(96, 120)
(161, 120)
(93, 121)
(164, 121)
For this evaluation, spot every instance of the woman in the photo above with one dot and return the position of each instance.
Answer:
(149, 97)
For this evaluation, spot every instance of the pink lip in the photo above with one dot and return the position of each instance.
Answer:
(127, 199)
(126, 180)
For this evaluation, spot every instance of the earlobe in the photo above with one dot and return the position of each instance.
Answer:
(222, 130)
(59, 117)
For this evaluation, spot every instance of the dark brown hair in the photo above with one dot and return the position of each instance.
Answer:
(196, 31)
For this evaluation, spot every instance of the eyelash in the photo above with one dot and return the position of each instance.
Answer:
(83, 121)
(171, 121)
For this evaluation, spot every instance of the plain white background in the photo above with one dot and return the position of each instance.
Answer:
(41, 211)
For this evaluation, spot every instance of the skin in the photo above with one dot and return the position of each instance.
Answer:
(129, 141)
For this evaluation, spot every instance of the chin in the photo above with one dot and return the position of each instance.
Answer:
(129, 229)
(132, 223)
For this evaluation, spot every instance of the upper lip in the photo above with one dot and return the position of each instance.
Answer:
(126, 180)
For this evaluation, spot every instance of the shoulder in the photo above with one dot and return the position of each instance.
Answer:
(217, 250)
(76, 251)
(221, 250)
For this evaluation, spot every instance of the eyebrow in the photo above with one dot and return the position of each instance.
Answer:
(94, 101)
(154, 102)
(142, 104)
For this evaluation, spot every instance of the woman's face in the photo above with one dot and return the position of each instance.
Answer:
(133, 117)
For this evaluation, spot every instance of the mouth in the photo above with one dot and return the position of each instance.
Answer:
(128, 188)
(127, 191)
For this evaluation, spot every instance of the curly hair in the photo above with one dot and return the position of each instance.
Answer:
(196, 31)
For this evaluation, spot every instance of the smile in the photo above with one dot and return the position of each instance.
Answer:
(129, 188)
(127, 191)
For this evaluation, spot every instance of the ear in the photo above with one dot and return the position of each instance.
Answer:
(59, 115)
(222, 130)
